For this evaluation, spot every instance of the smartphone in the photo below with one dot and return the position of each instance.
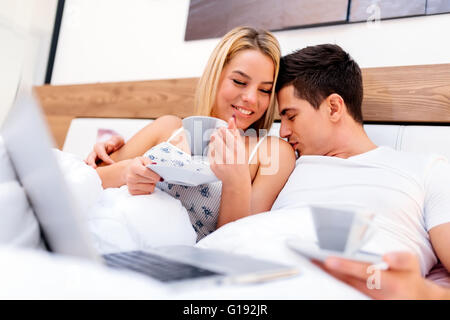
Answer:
(312, 250)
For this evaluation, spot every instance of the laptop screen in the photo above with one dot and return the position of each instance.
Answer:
(29, 145)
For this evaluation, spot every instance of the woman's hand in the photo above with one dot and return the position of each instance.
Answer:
(140, 179)
(227, 155)
(102, 150)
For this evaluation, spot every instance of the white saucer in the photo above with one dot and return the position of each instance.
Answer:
(313, 251)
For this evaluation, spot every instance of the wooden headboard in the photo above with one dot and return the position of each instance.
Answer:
(411, 94)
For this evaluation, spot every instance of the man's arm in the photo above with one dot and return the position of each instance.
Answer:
(437, 209)
(402, 280)
(440, 239)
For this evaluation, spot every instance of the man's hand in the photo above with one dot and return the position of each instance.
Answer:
(102, 150)
(402, 280)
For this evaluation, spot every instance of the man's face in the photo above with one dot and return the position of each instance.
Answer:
(308, 130)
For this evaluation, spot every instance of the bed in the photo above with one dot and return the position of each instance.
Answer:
(407, 108)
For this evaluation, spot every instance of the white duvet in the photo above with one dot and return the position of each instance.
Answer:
(118, 221)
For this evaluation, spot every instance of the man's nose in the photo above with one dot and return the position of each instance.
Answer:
(285, 130)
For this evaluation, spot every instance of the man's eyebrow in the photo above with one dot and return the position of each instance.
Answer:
(248, 77)
(283, 112)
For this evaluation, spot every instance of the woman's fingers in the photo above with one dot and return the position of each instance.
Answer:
(232, 123)
(140, 179)
(217, 149)
(117, 142)
(90, 160)
(102, 150)
(102, 153)
(142, 188)
(235, 146)
(139, 173)
(145, 172)
(227, 147)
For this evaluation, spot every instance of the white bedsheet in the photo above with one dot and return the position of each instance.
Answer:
(33, 274)
(26, 274)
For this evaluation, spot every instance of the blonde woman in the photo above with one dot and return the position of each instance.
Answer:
(237, 86)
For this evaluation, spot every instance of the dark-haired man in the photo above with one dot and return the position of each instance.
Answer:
(320, 95)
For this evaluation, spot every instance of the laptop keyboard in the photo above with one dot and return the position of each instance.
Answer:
(155, 266)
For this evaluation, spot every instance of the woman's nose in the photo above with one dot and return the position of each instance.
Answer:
(250, 96)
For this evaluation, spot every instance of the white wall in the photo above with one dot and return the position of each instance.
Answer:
(25, 34)
(118, 40)
(32, 21)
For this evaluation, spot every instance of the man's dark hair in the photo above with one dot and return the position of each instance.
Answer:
(318, 71)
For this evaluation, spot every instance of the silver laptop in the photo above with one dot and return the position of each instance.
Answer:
(28, 144)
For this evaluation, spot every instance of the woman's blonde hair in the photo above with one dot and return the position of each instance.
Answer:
(238, 39)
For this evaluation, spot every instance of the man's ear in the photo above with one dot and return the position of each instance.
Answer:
(336, 107)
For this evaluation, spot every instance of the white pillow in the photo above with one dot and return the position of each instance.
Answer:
(263, 235)
(18, 226)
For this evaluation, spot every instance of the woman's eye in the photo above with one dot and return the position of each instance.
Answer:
(239, 82)
(266, 91)
(291, 118)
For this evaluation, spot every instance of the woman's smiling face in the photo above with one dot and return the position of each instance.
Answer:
(245, 88)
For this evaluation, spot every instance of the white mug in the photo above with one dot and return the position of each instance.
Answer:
(199, 130)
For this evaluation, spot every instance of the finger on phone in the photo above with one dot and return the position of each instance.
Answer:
(352, 268)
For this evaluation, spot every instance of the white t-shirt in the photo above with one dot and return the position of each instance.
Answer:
(410, 194)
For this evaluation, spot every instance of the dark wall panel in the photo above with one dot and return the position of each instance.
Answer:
(438, 6)
(300, 13)
(266, 14)
(207, 19)
(214, 18)
(388, 9)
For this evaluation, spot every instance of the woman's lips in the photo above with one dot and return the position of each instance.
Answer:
(241, 111)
